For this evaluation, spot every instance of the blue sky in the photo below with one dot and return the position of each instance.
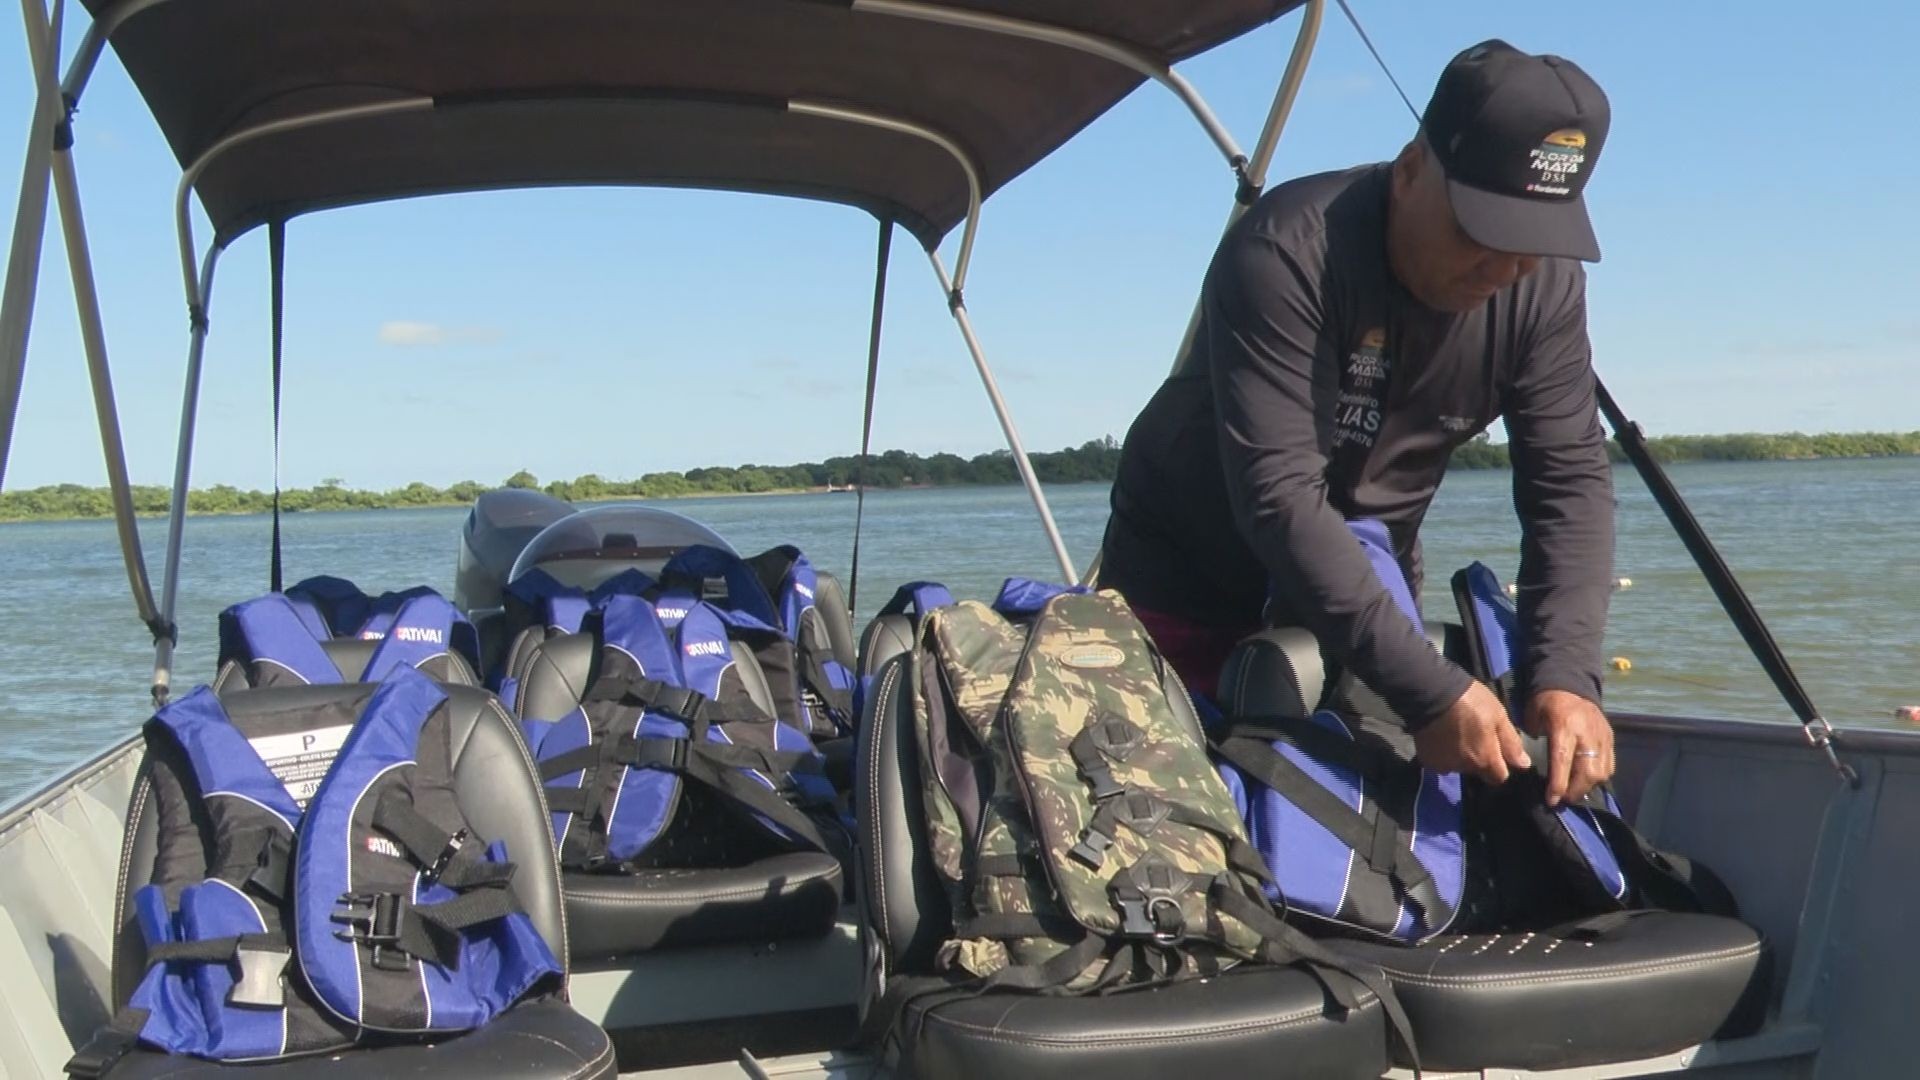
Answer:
(1755, 204)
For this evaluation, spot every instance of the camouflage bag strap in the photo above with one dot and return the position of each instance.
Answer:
(961, 666)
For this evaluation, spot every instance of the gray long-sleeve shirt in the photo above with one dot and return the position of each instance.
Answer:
(1321, 390)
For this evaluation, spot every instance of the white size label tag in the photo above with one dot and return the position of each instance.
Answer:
(300, 760)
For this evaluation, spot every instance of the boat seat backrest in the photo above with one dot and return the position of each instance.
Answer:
(906, 909)
(886, 637)
(350, 655)
(556, 672)
(1281, 672)
(495, 783)
(830, 600)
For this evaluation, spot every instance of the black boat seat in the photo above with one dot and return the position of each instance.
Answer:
(1253, 1021)
(537, 1039)
(498, 791)
(350, 655)
(1559, 999)
(1566, 997)
(776, 897)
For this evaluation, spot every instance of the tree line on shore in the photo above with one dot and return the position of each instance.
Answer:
(1093, 461)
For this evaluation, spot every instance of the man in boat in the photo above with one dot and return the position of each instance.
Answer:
(1356, 327)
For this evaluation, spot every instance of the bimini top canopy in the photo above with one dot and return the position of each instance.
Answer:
(429, 96)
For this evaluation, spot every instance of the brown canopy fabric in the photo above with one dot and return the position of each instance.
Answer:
(671, 92)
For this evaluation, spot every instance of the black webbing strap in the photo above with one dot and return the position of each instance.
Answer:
(837, 701)
(572, 800)
(1055, 972)
(1380, 841)
(103, 1051)
(257, 860)
(999, 866)
(388, 923)
(1006, 926)
(276, 274)
(1665, 880)
(455, 860)
(260, 960)
(1284, 944)
(212, 950)
(678, 702)
(866, 418)
(433, 930)
(742, 788)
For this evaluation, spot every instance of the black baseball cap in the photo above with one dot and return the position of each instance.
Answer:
(1518, 136)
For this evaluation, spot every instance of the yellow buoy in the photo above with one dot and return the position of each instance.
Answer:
(1621, 663)
(1622, 583)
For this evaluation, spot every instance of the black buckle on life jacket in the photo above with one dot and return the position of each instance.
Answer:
(678, 701)
(261, 983)
(1148, 896)
(373, 920)
(447, 854)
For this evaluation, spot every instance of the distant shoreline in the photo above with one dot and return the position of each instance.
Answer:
(1095, 461)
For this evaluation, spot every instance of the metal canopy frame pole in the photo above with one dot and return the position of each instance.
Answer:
(86, 297)
(201, 296)
(1078, 40)
(1027, 477)
(1255, 174)
(30, 216)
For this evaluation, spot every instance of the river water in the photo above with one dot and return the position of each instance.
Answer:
(1826, 549)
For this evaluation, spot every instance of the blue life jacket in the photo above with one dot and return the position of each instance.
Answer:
(364, 908)
(732, 584)
(538, 603)
(665, 708)
(826, 681)
(913, 601)
(277, 639)
(1354, 833)
(1358, 835)
(1022, 598)
(1577, 830)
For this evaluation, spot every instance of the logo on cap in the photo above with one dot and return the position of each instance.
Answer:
(1555, 162)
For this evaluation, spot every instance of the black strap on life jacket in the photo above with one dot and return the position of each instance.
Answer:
(720, 766)
(1377, 838)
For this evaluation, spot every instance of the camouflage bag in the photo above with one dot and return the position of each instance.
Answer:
(1084, 838)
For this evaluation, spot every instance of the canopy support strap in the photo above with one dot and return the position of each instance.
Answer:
(276, 274)
(959, 308)
(1733, 598)
(866, 419)
(30, 216)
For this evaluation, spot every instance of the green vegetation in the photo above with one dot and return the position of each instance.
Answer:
(1482, 453)
(1092, 461)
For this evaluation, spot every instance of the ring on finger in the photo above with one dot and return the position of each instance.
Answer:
(1586, 753)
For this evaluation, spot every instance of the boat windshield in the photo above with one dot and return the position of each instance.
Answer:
(587, 548)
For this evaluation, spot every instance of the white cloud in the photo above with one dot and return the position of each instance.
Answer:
(408, 334)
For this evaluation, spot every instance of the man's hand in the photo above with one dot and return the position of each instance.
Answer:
(1474, 736)
(1579, 739)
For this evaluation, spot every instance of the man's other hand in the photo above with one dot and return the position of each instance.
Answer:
(1579, 740)
(1474, 736)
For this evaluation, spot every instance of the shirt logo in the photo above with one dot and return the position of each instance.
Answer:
(1553, 165)
(1356, 412)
